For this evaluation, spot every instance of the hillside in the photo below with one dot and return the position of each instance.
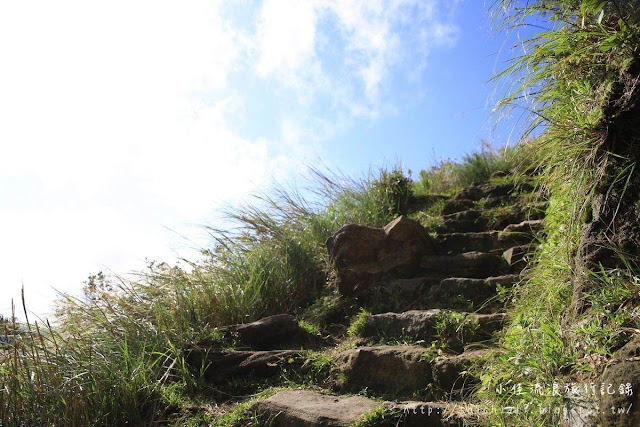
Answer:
(498, 290)
(416, 314)
(375, 325)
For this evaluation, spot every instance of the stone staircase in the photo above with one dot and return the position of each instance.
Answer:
(408, 366)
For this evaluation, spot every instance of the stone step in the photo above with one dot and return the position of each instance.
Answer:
(309, 408)
(455, 328)
(478, 220)
(449, 373)
(457, 205)
(435, 414)
(470, 220)
(400, 369)
(421, 203)
(520, 234)
(487, 190)
(517, 215)
(220, 366)
(270, 333)
(472, 292)
(478, 265)
(456, 243)
(405, 369)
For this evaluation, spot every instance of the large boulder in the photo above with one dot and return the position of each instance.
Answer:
(362, 254)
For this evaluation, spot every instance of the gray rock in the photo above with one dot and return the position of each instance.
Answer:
(448, 372)
(361, 254)
(421, 325)
(389, 369)
(273, 332)
(306, 408)
(476, 265)
(622, 409)
(220, 366)
(456, 243)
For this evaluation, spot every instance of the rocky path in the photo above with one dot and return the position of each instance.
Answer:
(437, 308)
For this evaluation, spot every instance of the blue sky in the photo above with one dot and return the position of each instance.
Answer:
(126, 125)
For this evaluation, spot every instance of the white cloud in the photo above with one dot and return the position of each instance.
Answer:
(376, 41)
(114, 125)
(286, 35)
(117, 118)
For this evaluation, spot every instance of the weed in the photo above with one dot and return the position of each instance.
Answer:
(447, 176)
(455, 324)
(359, 323)
(379, 417)
(309, 328)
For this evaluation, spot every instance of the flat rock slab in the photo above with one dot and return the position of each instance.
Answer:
(487, 190)
(478, 265)
(388, 369)
(307, 408)
(422, 325)
(475, 291)
(220, 366)
(448, 371)
(521, 233)
(456, 243)
(465, 221)
(273, 332)
(433, 414)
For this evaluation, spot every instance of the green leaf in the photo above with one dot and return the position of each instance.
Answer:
(608, 43)
(622, 25)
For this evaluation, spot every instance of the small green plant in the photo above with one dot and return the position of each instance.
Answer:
(359, 323)
(379, 417)
(431, 355)
(455, 324)
(309, 328)
(394, 190)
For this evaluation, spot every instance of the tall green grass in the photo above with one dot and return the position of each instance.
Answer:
(575, 81)
(447, 176)
(533, 350)
(116, 356)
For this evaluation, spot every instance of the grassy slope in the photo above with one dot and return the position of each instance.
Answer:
(577, 76)
(116, 356)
